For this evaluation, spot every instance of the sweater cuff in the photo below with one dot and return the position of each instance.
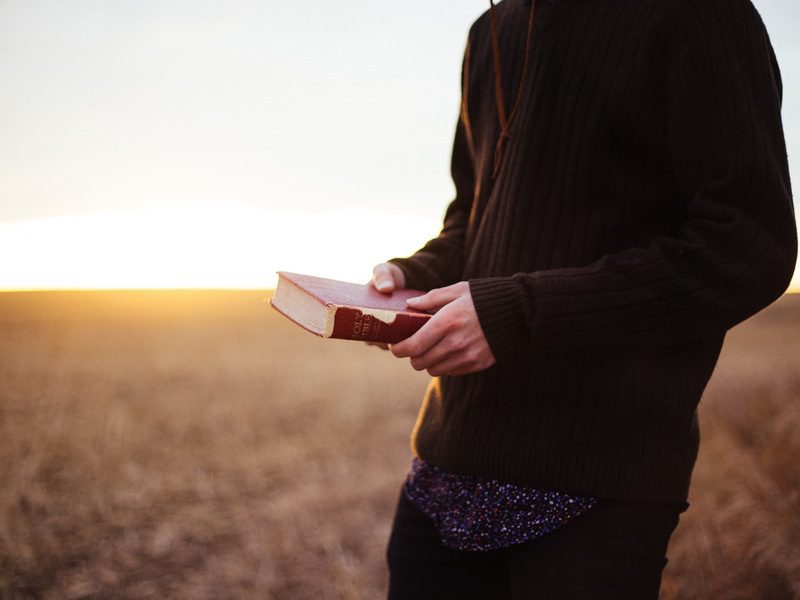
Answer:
(500, 306)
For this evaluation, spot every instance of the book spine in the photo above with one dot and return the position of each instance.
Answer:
(352, 324)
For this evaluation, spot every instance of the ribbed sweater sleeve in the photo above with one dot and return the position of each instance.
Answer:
(440, 261)
(736, 249)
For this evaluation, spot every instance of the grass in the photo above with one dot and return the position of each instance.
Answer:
(196, 445)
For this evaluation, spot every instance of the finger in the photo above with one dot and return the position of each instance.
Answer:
(382, 278)
(397, 275)
(419, 343)
(461, 362)
(448, 346)
(455, 364)
(436, 298)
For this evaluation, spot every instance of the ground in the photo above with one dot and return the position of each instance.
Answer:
(197, 445)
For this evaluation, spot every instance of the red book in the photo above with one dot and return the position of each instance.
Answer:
(348, 311)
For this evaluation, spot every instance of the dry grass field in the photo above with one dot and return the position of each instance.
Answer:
(196, 445)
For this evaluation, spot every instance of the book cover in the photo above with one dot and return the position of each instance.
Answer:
(342, 310)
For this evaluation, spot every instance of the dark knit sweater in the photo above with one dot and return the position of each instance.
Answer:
(642, 208)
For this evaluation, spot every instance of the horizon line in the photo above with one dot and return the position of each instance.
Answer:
(137, 289)
(791, 290)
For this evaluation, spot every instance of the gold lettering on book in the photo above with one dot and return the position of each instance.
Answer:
(357, 324)
(365, 326)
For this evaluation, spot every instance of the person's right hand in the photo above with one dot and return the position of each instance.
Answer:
(388, 277)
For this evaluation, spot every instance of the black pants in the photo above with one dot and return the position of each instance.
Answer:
(615, 551)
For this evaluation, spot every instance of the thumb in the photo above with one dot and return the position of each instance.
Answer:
(387, 277)
(435, 299)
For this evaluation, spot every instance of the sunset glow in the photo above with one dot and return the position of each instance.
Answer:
(204, 247)
(201, 247)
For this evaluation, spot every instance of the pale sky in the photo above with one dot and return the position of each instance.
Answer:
(192, 143)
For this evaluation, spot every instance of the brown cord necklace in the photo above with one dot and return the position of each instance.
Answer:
(505, 120)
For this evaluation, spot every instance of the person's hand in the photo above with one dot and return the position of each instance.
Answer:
(452, 341)
(388, 277)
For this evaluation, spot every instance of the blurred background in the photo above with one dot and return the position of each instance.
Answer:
(188, 442)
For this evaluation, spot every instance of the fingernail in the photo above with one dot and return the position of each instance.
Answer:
(383, 285)
(413, 300)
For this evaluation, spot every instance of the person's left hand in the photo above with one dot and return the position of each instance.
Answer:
(452, 341)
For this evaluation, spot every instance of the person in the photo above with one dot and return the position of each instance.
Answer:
(622, 200)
